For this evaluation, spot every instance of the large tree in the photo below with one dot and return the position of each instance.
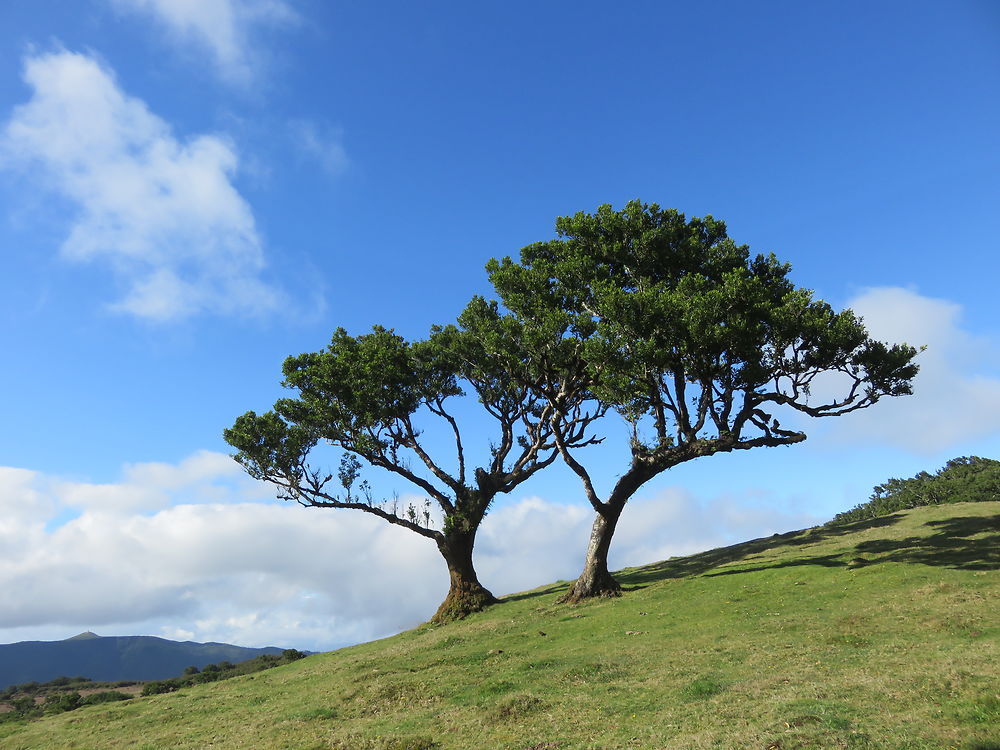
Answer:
(694, 342)
(371, 397)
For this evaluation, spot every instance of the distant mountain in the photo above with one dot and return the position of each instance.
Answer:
(111, 659)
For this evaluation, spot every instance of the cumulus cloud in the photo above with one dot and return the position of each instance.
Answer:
(162, 213)
(225, 28)
(184, 547)
(533, 541)
(191, 551)
(956, 395)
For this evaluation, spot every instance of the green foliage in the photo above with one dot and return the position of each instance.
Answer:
(224, 670)
(966, 479)
(371, 396)
(59, 702)
(105, 696)
(680, 324)
(697, 344)
(158, 687)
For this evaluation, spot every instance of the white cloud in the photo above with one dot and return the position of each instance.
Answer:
(533, 542)
(321, 144)
(956, 395)
(162, 213)
(223, 27)
(183, 551)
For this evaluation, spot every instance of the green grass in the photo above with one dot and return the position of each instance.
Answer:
(878, 634)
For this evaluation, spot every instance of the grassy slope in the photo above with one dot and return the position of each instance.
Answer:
(781, 642)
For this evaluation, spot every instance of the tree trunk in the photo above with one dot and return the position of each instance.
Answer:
(465, 594)
(595, 580)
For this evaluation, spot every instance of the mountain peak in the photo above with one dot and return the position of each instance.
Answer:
(85, 636)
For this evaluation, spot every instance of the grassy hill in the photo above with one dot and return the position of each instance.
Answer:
(877, 634)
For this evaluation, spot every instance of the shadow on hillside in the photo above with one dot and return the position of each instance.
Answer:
(555, 588)
(950, 546)
(703, 562)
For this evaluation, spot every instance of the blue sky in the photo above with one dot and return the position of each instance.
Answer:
(191, 191)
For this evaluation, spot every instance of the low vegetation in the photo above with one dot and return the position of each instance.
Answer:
(221, 671)
(33, 700)
(876, 635)
(969, 479)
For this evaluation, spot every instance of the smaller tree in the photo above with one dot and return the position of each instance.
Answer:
(368, 396)
(691, 340)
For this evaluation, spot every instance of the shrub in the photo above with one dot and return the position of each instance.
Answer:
(157, 687)
(105, 696)
(59, 702)
(967, 479)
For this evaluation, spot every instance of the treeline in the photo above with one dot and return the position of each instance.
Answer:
(221, 671)
(31, 700)
(967, 479)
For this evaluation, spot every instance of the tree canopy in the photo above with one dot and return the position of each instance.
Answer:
(694, 342)
(368, 396)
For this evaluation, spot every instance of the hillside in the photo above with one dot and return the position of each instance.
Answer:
(113, 658)
(878, 634)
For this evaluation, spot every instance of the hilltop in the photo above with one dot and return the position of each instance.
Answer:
(882, 633)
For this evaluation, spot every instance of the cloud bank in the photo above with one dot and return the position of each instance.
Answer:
(161, 213)
(196, 551)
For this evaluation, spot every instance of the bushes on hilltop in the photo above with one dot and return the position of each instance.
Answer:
(968, 479)
(221, 671)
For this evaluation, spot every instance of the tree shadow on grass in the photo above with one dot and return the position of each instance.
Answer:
(703, 562)
(553, 589)
(965, 543)
(951, 546)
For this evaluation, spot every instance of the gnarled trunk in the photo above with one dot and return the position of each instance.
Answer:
(595, 580)
(465, 594)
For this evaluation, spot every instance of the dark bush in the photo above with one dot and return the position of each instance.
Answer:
(158, 687)
(105, 696)
(59, 702)
(24, 706)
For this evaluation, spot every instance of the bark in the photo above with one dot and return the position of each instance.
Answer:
(465, 593)
(595, 580)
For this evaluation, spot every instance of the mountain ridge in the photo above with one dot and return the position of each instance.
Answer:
(113, 658)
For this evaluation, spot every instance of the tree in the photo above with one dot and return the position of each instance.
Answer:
(695, 343)
(369, 396)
